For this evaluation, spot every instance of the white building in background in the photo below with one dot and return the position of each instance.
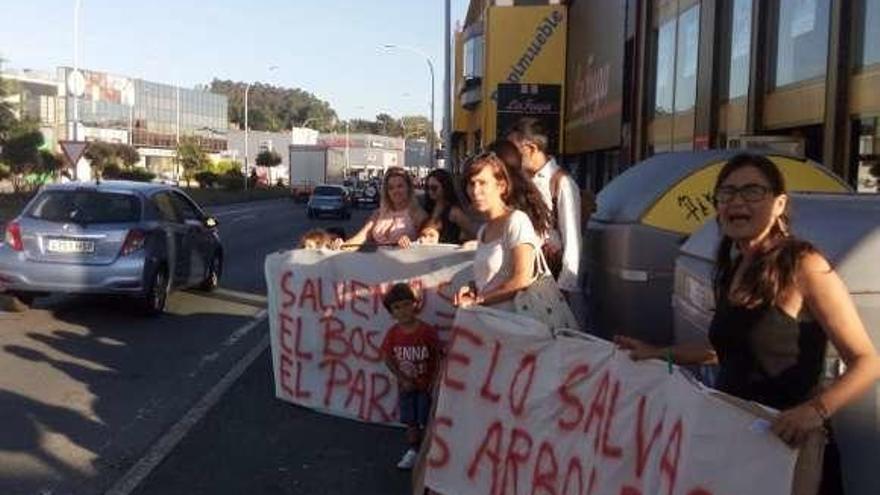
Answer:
(260, 141)
(38, 95)
(367, 155)
(113, 108)
(304, 135)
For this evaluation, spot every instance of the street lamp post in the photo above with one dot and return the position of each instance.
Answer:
(177, 132)
(447, 87)
(431, 70)
(347, 152)
(247, 90)
(128, 96)
(75, 75)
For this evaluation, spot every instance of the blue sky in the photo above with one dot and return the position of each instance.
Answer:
(331, 48)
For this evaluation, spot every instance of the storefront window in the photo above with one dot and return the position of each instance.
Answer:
(473, 57)
(870, 42)
(801, 40)
(740, 48)
(868, 156)
(663, 99)
(686, 59)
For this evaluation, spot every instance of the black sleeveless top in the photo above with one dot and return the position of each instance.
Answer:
(767, 356)
(450, 232)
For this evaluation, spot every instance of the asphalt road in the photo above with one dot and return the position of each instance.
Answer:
(86, 387)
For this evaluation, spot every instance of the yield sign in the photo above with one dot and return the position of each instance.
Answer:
(73, 150)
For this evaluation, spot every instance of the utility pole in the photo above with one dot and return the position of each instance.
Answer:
(247, 90)
(447, 88)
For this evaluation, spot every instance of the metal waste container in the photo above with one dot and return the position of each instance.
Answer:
(846, 229)
(643, 216)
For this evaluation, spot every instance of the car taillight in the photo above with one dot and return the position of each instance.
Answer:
(13, 236)
(133, 241)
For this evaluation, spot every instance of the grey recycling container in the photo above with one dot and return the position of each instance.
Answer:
(846, 228)
(642, 218)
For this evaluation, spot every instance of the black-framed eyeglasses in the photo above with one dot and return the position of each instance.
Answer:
(433, 187)
(750, 193)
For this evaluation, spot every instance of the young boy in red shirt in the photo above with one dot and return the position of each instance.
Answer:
(411, 351)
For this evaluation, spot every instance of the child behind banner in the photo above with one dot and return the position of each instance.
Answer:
(411, 351)
(320, 238)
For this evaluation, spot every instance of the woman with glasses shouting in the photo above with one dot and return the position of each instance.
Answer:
(447, 222)
(778, 303)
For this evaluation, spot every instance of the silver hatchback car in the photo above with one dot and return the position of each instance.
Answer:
(116, 237)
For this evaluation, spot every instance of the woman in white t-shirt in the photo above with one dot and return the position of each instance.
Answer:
(516, 217)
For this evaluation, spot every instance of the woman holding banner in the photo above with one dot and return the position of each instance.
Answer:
(446, 215)
(507, 243)
(399, 215)
(778, 303)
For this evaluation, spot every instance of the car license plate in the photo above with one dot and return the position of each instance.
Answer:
(70, 246)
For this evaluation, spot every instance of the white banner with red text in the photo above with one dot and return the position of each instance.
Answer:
(522, 412)
(327, 321)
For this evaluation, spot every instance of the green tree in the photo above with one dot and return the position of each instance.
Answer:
(111, 156)
(416, 126)
(127, 155)
(191, 157)
(21, 150)
(220, 167)
(387, 125)
(7, 116)
(268, 158)
(100, 155)
(50, 162)
(272, 108)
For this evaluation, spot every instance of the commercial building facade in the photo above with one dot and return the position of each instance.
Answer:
(510, 61)
(149, 115)
(652, 76)
(38, 96)
(643, 77)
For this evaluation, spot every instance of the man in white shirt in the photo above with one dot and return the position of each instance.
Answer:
(562, 196)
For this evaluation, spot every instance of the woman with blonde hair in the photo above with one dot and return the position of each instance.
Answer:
(399, 215)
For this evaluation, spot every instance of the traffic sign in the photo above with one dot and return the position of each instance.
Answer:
(76, 84)
(73, 150)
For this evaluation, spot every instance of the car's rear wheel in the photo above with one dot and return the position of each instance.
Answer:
(152, 302)
(212, 277)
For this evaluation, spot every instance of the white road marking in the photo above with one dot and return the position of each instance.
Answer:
(161, 448)
(248, 208)
(241, 218)
(244, 296)
(230, 341)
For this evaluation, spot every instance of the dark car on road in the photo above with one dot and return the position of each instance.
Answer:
(329, 200)
(117, 238)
